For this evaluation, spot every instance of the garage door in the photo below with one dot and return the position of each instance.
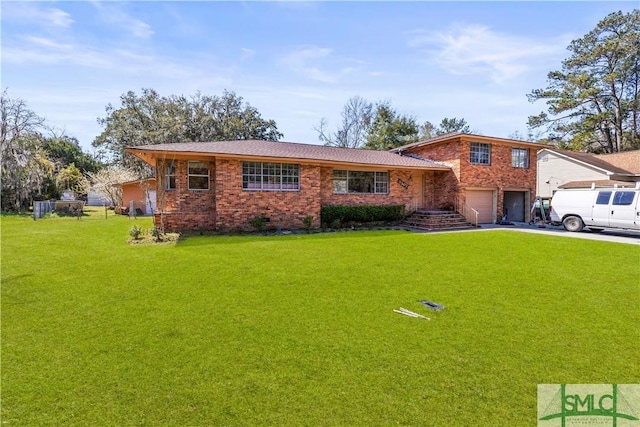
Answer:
(482, 201)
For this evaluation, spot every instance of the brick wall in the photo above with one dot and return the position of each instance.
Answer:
(184, 209)
(404, 189)
(500, 175)
(287, 209)
(226, 206)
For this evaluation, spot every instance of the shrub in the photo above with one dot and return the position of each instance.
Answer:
(259, 222)
(157, 234)
(135, 232)
(367, 213)
(308, 222)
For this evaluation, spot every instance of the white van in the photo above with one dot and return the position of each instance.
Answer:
(597, 208)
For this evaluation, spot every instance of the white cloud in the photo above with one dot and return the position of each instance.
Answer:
(30, 13)
(41, 50)
(478, 49)
(131, 61)
(320, 64)
(114, 13)
(246, 53)
(305, 61)
(59, 18)
(48, 43)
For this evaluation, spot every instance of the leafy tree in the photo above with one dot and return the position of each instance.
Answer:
(154, 119)
(64, 151)
(71, 178)
(390, 129)
(357, 119)
(593, 102)
(25, 166)
(453, 125)
(103, 181)
(447, 125)
(381, 127)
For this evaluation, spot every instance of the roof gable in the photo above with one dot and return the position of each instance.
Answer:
(590, 160)
(458, 136)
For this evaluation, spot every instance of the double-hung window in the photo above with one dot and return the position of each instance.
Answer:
(270, 176)
(170, 175)
(346, 181)
(480, 153)
(520, 158)
(198, 176)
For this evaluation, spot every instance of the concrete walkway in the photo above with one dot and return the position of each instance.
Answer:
(628, 237)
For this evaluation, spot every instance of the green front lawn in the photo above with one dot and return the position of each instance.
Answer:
(300, 329)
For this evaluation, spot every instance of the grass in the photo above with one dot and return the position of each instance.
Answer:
(299, 329)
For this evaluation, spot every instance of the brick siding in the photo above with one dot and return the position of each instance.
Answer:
(226, 206)
(398, 194)
(499, 176)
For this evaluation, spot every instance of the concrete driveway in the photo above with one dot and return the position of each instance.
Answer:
(629, 237)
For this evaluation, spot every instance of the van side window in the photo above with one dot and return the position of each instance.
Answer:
(623, 197)
(603, 198)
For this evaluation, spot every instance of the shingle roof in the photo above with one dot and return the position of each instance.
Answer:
(627, 160)
(286, 150)
(597, 161)
(602, 183)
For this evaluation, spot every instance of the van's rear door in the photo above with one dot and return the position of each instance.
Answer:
(623, 209)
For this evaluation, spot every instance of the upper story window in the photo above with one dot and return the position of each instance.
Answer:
(170, 175)
(480, 153)
(198, 176)
(520, 157)
(270, 176)
(345, 181)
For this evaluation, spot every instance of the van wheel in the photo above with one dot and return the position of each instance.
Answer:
(572, 223)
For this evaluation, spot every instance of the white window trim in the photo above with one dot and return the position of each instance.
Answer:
(262, 176)
(479, 153)
(345, 180)
(167, 175)
(189, 175)
(526, 157)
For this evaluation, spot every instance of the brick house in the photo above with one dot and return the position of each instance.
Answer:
(496, 177)
(222, 185)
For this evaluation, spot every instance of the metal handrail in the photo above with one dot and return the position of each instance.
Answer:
(468, 212)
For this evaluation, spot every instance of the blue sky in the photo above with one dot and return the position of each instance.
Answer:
(296, 62)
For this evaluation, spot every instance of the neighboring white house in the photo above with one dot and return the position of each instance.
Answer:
(561, 168)
(95, 198)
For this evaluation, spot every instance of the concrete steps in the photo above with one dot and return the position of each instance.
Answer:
(437, 221)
